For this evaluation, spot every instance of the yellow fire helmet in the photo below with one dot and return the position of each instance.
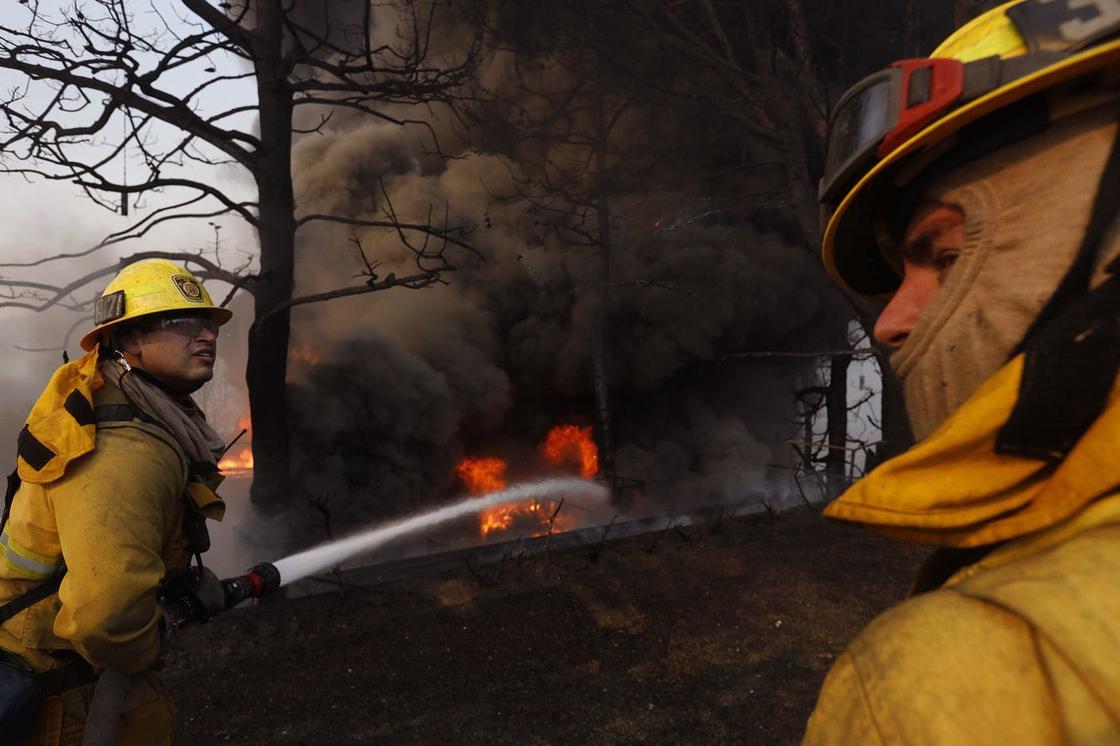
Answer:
(1002, 76)
(145, 288)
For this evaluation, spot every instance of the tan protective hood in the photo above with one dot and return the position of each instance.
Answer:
(1026, 209)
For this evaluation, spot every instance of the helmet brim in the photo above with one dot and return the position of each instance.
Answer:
(93, 337)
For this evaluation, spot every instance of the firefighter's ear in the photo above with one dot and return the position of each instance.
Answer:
(126, 339)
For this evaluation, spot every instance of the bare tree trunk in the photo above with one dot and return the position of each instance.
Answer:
(799, 23)
(909, 45)
(805, 122)
(836, 460)
(963, 10)
(602, 305)
(802, 193)
(266, 370)
(896, 435)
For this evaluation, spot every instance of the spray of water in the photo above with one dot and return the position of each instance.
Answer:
(328, 555)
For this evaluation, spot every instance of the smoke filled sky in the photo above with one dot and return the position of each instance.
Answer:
(410, 382)
(390, 390)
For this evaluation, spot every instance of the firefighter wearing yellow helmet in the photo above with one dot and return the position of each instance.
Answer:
(977, 191)
(116, 472)
(147, 288)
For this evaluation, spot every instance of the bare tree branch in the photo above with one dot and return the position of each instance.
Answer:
(452, 235)
(211, 270)
(414, 282)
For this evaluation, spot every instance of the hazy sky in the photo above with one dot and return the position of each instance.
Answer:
(44, 218)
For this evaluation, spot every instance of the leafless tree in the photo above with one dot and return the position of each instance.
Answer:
(775, 68)
(837, 449)
(138, 103)
(767, 85)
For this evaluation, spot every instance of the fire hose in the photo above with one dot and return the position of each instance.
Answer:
(198, 595)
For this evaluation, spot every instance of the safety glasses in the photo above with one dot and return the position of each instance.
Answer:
(883, 111)
(187, 326)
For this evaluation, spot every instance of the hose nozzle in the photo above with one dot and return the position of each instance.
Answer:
(261, 580)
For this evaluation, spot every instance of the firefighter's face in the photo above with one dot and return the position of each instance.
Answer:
(930, 247)
(177, 350)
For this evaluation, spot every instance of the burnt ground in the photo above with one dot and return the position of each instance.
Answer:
(717, 633)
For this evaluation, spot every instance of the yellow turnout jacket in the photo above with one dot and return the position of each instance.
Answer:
(109, 503)
(1021, 647)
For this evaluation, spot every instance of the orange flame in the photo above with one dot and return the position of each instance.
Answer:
(572, 444)
(304, 356)
(564, 444)
(482, 475)
(240, 464)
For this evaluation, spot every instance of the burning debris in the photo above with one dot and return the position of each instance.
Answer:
(572, 444)
(482, 475)
(565, 447)
(238, 465)
(410, 383)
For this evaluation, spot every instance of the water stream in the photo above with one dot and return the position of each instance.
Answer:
(326, 556)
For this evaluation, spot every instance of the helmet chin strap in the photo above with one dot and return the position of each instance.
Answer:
(117, 355)
(1072, 349)
(174, 389)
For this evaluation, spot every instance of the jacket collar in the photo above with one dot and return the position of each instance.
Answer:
(954, 490)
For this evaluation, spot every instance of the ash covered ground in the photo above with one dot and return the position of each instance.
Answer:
(715, 633)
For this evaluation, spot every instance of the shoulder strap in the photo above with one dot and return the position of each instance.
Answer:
(114, 413)
(13, 485)
(33, 596)
(1075, 337)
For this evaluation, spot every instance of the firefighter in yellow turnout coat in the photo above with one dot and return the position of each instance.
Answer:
(978, 190)
(115, 464)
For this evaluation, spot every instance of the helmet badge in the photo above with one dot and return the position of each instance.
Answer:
(188, 287)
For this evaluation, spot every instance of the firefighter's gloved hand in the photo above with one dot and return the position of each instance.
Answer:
(207, 588)
(193, 597)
